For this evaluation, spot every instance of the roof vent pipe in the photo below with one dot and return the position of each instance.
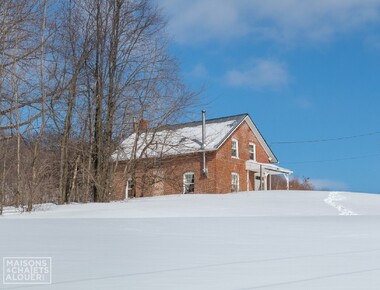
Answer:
(203, 129)
(203, 147)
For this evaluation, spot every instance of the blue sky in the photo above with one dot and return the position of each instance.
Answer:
(303, 70)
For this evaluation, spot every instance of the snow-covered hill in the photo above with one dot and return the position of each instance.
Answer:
(254, 240)
(260, 203)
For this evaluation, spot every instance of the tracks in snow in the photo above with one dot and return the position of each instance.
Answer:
(333, 199)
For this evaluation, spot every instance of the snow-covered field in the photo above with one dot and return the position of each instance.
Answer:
(254, 240)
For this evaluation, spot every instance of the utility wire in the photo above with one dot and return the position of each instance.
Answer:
(325, 140)
(333, 160)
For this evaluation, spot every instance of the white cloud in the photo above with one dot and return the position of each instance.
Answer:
(199, 71)
(303, 103)
(281, 20)
(262, 73)
(194, 21)
(326, 184)
(373, 42)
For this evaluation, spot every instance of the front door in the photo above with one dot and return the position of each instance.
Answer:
(257, 181)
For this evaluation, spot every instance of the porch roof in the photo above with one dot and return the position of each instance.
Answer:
(268, 168)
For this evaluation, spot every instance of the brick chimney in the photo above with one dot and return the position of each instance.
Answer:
(143, 125)
(140, 126)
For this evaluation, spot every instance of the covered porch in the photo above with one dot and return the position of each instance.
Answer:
(261, 174)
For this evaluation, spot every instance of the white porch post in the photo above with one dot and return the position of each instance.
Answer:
(270, 181)
(265, 180)
(287, 181)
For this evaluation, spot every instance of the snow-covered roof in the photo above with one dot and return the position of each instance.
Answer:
(185, 138)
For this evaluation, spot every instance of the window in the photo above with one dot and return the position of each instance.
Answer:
(188, 182)
(235, 148)
(130, 188)
(234, 182)
(252, 151)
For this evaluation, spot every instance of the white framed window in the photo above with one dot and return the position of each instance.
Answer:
(129, 190)
(234, 148)
(234, 182)
(252, 151)
(188, 182)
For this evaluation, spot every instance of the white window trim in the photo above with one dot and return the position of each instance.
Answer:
(184, 180)
(238, 181)
(237, 148)
(128, 187)
(254, 151)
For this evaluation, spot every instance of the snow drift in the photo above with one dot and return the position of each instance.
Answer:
(251, 240)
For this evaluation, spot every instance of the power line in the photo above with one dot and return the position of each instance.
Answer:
(333, 160)
(325, 140)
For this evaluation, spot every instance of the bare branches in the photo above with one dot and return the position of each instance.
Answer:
(73, 77)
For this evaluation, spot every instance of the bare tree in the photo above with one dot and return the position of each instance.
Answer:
(73, 77)
(19, 49)
(133, 75)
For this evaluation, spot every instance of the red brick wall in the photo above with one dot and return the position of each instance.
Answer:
(118, 191)
(191, 163)
(220, 165)
(172, 171)
(225, 164)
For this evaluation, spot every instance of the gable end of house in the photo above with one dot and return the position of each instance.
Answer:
(256, 132)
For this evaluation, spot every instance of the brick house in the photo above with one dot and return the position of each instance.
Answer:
(220, 155)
